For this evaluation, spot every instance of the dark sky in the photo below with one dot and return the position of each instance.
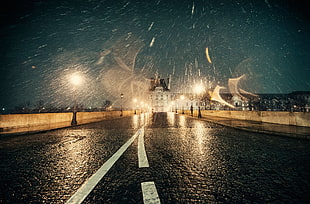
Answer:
(42, 42)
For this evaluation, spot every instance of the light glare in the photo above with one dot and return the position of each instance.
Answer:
(76, 79)
(198, 88)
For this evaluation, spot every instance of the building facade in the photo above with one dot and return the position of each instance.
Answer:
(162, 99)
(160, 96)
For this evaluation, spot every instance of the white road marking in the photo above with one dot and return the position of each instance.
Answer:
(150, 195)
(90, 184)
(149, 191)
(142, 158)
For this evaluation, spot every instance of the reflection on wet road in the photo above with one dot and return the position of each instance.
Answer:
(169, 158)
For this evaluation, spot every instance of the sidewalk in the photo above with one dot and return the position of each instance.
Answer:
(267, 128)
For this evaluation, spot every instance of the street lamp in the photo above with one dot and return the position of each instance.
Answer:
(182, 99)
(135, 105)
(122, 96)
(75, 79)
(199, 89)
(176, 104)
(172, 105)
(142, 106)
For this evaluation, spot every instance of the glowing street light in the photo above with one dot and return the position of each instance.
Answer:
(142, 106)
(172, 105)
(182, 97)
(135, 104)
(76, 80)
(122, 96)
(199, 89)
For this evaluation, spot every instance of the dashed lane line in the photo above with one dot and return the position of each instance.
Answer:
(89, 185)
(149, 191)
(150, 195)
(142, 158)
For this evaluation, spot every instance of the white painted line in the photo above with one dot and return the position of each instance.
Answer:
(150, 195)
(142, 158)
(90, 184)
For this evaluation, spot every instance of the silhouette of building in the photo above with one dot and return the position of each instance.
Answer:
(162, 99)
(160, 96)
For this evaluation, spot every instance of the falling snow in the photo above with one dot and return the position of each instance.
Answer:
(118, 45)
(152, 42)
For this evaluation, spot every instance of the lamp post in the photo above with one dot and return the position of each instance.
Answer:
(76, 80)
(199, 89)
(122, 96)
(135, 105)
(182, 99)
(172, 105)
(210, 102)
(176, 104)
(142, 106)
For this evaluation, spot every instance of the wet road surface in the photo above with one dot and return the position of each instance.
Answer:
(169, 158)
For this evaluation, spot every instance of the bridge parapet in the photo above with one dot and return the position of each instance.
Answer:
(283, 118)
(19, 123)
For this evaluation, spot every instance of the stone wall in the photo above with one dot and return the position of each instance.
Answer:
(45, 121)
(28, 120)
(284, 118)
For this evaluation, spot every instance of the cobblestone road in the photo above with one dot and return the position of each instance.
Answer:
(190, 161)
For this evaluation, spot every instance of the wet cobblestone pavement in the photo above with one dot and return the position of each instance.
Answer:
(190, 161)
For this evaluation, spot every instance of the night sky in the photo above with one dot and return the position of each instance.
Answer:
(117, 45)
